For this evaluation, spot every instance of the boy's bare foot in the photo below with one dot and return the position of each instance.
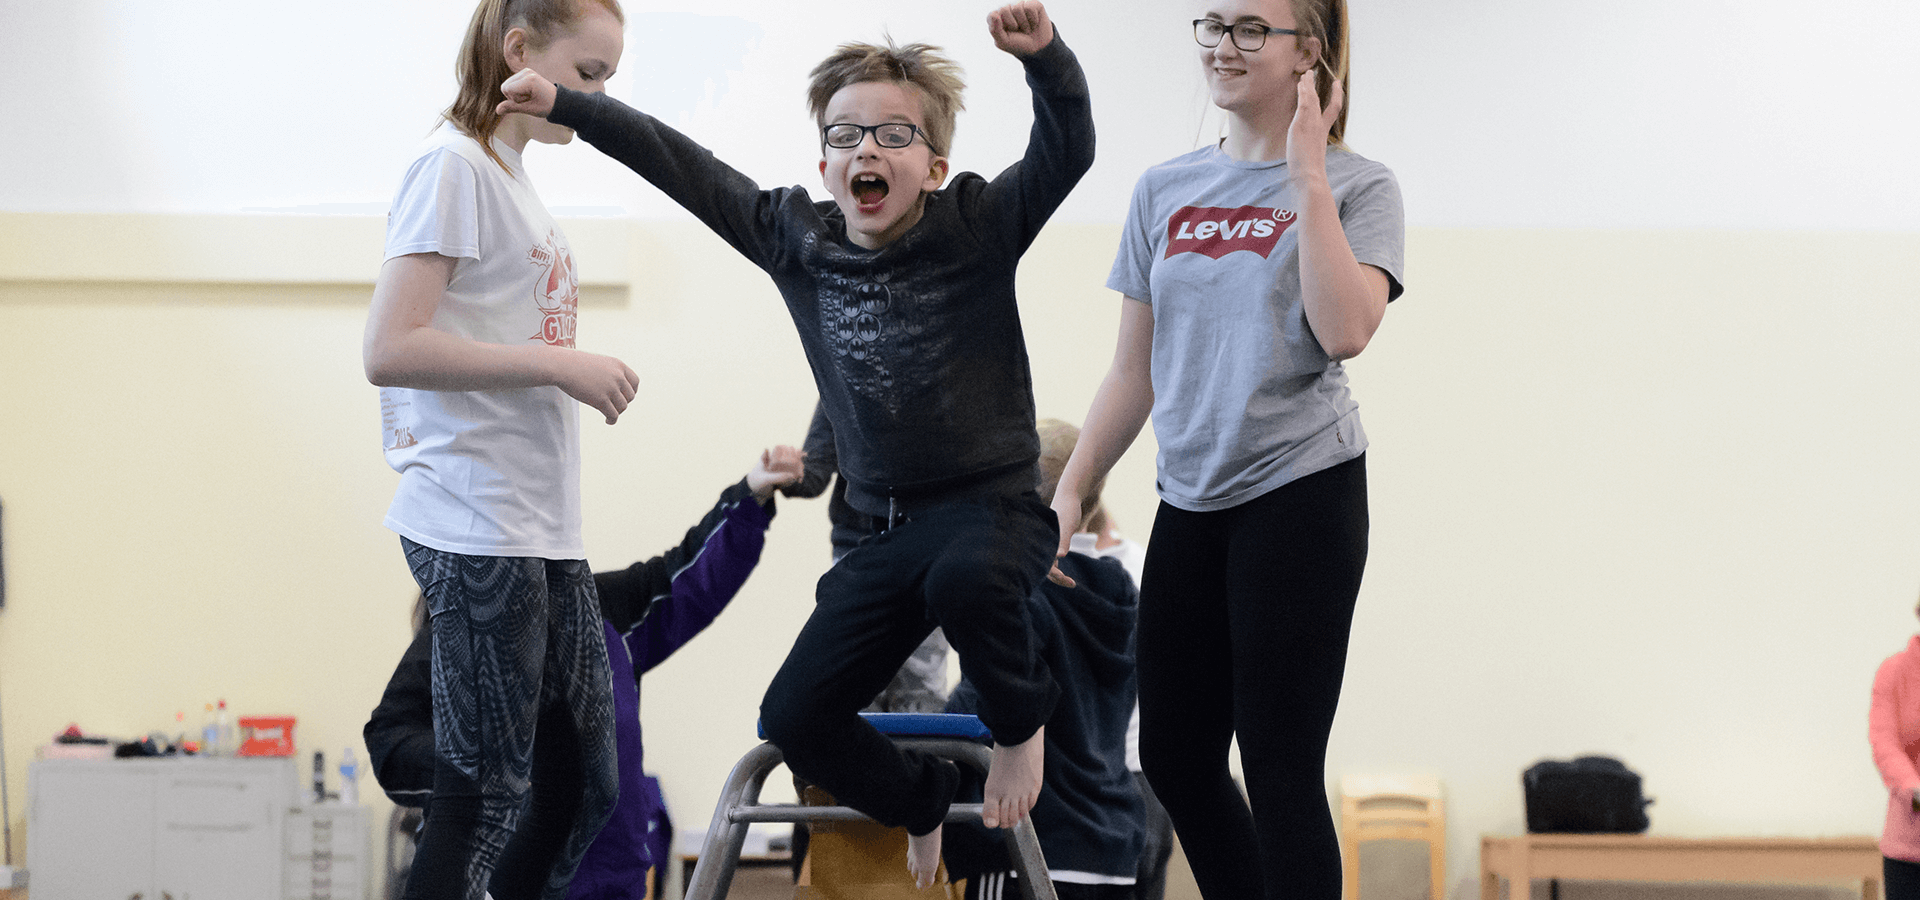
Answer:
(923, 858)
(1013, 781)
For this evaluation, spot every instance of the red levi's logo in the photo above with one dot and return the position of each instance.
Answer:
(1215, 232)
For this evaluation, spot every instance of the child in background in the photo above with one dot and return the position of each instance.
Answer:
(1101, 537)
(1089, 817)
(651, 609)
(903, 295)
(1893, 730)
(471, 338)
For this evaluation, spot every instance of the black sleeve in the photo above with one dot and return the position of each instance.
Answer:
(719, 195)
(1018, 201)
(626, 594)
(822, 460)
(400, 735)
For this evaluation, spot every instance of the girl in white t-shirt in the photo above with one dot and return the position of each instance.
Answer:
(471, 339)
(1250, 269)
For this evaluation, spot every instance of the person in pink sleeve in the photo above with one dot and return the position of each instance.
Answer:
(1893, 726)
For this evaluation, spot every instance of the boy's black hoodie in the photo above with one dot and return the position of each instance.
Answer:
(1089, 816)
(916, 347)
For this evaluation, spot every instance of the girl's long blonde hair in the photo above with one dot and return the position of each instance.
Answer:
(482, 64)
(1326, 22)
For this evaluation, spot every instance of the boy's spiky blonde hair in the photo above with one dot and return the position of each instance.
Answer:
(921, 65)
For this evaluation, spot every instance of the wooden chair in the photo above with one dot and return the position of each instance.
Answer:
(962, 739)
(1393, 808)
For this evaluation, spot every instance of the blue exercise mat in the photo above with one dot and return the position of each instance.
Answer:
(946, 725)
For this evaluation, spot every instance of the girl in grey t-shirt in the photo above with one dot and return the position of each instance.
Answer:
(1250, 270)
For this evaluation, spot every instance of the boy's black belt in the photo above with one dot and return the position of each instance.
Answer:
(904, 502)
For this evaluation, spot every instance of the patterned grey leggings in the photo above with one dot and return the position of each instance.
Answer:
(523, 726)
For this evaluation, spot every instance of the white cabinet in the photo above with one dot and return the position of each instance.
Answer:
(327, 853)
(90, 830)
(158, 829)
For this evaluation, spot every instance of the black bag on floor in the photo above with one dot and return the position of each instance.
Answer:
(1591, 795)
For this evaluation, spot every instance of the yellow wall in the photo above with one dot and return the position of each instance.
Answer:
(1641, 493)
(193, 488)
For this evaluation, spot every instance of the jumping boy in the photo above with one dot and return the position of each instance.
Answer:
(903, 294)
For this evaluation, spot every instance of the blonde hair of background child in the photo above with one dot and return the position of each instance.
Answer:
(1056, 446)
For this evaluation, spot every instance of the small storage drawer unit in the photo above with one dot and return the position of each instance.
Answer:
(327, 848)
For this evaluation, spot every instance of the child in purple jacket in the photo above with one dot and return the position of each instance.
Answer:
(651, 608)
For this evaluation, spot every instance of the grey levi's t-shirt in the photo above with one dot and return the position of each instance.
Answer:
(1245, 400)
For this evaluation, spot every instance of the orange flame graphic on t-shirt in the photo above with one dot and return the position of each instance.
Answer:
(559, 297)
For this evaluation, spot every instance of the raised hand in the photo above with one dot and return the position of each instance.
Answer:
(527, 92)
(1022, 28)
(778, 467)
(1307, 134)
(602, 382)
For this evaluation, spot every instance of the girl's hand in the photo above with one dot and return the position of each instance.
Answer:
(602, 382)
(778, 467)
(527, 92)
(1066, 505)
(1021, 29)
(1307, 135)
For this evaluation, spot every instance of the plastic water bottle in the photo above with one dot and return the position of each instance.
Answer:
(209, 733)
(349, 777)
(223, 731)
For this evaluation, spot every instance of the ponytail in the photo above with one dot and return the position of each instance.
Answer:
(482, 63)
(1326, 21)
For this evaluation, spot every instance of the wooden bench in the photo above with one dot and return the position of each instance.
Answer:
(1639, 857)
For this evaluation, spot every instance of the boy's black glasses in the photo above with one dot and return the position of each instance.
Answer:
(891, 135)
(1247, 36)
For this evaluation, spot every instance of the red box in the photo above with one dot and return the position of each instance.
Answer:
(266, 735)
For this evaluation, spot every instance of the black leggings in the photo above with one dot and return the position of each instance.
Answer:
(1902, 879)
(1244, 617)
(524, 771)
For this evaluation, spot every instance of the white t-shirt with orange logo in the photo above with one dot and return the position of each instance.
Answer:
(486, 473)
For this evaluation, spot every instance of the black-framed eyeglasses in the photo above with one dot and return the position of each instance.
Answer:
(1247, 36)
(891, 135)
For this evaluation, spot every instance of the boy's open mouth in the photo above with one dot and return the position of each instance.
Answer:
(869, 192)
